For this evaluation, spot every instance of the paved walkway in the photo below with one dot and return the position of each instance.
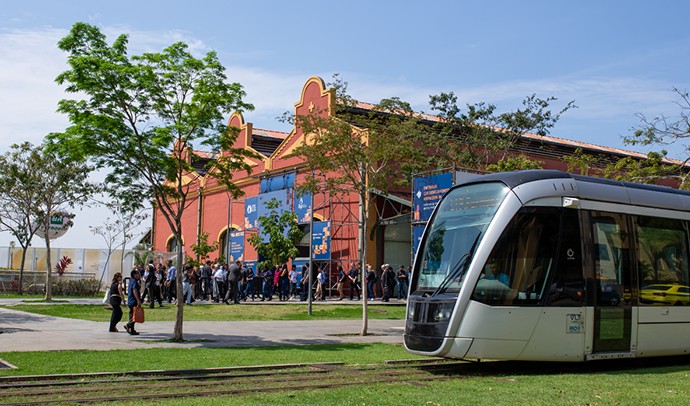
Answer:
(21, 331)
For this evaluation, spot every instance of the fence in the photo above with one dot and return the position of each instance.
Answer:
(35, 281)
(86, 264)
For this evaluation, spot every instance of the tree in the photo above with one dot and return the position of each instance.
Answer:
(203, 248)
(514, 163)
(664, 131)
(283, 233)
(142, 116)
(62, 183)
(19, 196)
(481, 136)
(362, 152)
(117, 232)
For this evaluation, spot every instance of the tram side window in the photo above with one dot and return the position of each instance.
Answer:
(519, 267)
(663, 261)
(611, 257)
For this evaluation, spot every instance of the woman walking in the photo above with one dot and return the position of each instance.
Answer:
(116, 298)
(133, 300)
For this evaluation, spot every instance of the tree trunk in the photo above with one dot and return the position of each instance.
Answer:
(177, 332)
(49, 285)
(21, 270)
(363, 259)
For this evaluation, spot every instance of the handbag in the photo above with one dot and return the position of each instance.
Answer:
(138, 316)
(106, 299)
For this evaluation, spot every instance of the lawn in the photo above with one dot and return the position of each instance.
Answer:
(220, 312)
(621, 382)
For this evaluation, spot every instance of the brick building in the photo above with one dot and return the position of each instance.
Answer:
(230, 221)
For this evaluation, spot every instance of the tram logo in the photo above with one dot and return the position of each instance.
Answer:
(575, 323)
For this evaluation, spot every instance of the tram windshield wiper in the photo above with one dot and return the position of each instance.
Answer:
(458, 269)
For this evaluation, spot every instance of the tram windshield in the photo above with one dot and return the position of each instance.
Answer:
(453, 234)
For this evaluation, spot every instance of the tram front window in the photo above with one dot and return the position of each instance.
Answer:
(453, 233)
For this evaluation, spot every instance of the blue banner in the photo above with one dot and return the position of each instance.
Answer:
(285, 204)
(321, 240)
(303, 208)
(280, 195)
(417, 233)
(428, 191)
(284, 181)
(251, 213)
(236, 246)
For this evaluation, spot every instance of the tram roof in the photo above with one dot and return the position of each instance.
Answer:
(517, 178)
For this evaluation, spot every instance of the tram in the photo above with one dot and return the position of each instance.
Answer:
(550, 266)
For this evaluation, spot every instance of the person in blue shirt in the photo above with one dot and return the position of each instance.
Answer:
(133, 300)
(170, 281)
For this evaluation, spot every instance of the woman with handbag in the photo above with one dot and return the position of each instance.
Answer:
(116, 298)
(133, 300)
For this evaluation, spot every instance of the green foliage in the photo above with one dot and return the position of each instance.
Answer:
(142, 116)
(202, 249)
(283, 235)
(647, 170)
(473, 138)
(360, 152)
(19, 192)
(514, 163)
(661, 131)
(69, 287)
(580, 162)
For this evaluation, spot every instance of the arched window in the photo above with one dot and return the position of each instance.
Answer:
(172, 245)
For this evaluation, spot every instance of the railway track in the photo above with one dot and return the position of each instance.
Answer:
(153, 385)
(161, 384)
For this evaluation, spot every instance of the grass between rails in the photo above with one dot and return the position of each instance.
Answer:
(220, 312)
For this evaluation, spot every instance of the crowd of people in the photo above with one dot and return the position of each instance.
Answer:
(233, 283)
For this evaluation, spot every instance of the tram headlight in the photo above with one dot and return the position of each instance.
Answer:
(442, 313)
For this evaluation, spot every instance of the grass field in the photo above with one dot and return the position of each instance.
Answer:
(624, 382)
(216, 312)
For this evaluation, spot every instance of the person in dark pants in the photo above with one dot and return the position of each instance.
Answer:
(248, 284)
(401, 277)
(388, 279)
(234, 272)
(353, 276)
(153, 282)
(267, 276)
(133, 300)
(116, 298)
(305, 284)
(206, 287)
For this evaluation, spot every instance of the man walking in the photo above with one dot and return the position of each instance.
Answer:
(170, 281)
(234, 271)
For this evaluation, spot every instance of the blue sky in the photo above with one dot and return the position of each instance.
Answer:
(613, 58)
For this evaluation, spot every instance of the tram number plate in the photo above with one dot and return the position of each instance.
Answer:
(575, 323)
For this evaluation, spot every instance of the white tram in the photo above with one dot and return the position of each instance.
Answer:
(549, 266)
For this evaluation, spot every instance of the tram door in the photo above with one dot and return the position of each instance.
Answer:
(612, 282)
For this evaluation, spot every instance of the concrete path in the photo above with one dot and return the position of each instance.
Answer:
(21, 331)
